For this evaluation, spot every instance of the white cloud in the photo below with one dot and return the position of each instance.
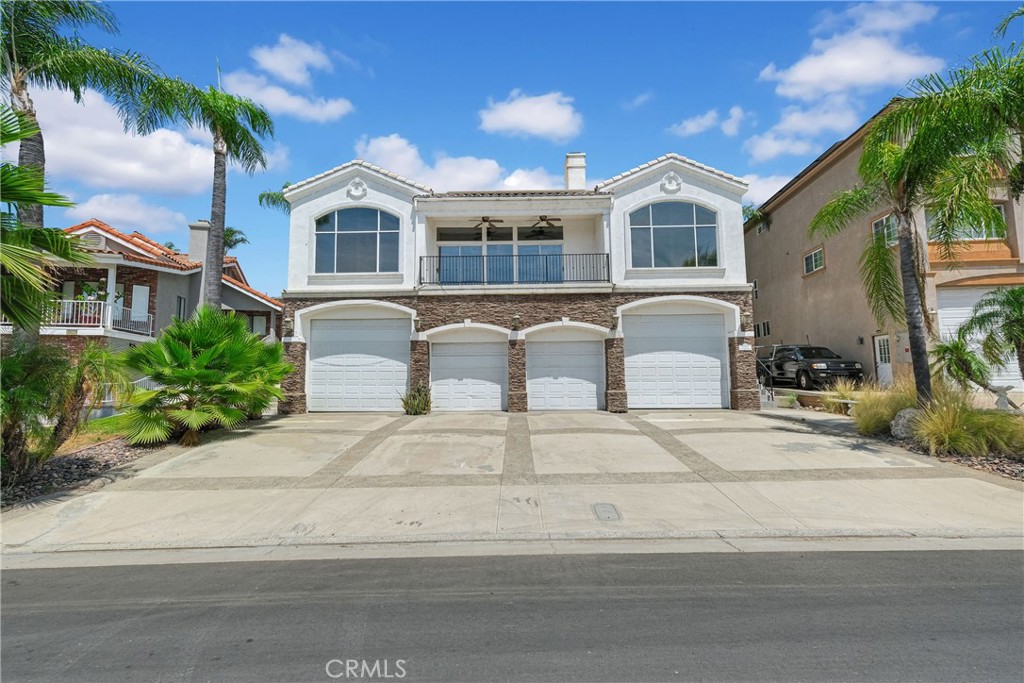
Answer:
(831, 114)
(763, 187)
(291, 59)
(277, 100)
(549, 116)
(397, 154)
(769, 145)
(866, 52)
(638, 101)
(695, 124)
(731, 125)
(128, 212)
(86, 142)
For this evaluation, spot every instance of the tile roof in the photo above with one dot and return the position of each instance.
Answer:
(357, 162)
(676, 157)
(254, 292)
(516, 193)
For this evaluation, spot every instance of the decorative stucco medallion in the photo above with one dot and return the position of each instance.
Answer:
(357, 189)
(671, 183)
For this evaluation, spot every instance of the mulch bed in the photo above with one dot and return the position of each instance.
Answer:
(75, 470)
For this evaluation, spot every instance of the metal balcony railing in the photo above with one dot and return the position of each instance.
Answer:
(520, 269)
(126, 320)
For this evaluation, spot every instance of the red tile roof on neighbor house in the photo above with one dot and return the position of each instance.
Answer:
(160, 255)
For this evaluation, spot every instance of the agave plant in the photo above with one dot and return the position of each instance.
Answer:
(212, 371)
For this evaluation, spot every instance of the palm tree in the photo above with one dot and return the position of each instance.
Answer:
(36, 52)
(957, 359)
(944, 157)
(237, 125)
(274, 199)
(95, 373)
(233, 237)
(25, 281)
(1007, 20)
(999, 315)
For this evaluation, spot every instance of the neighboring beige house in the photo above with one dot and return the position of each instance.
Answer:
(810, 291)
(152, 285)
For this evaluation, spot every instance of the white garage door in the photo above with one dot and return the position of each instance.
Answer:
(676, 361)
(955, 307)
(358, 364)
(469, 375)
(565, 375)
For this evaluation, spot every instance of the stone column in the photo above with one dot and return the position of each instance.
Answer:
(743, 391)
(614, 376)
(294, 385)
(517, 402)
(419, 363)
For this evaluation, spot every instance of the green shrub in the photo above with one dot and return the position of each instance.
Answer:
(213, 371)
(31, 396)
(876, 407)
(416, 400)
(952, 425)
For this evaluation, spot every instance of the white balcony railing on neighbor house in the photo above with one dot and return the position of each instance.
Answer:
(94, 314)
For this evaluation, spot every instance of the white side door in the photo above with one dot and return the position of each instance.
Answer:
(676, 361)
(565, 375)
(469, 375)
(883, 360)
(359, 364)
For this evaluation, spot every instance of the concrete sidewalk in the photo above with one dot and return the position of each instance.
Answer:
(334, 479)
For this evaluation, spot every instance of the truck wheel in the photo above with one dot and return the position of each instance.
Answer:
(804, 381)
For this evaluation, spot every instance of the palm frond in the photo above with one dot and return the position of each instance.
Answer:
(880, 274)
(1004, 25)
(841, 210)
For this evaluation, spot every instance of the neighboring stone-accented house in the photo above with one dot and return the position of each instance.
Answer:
(632, 294)
(810, 291)
(152, 285)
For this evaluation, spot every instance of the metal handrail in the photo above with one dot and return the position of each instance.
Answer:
(508, 269)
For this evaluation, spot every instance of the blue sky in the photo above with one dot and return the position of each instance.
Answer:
(491, 95)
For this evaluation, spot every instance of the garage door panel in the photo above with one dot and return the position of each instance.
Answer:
(955, 307)
(565, 375)
(675, 361)
(359, 365)
(469, 376)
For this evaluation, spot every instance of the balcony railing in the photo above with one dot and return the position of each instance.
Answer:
(96, 314)
(519, 269)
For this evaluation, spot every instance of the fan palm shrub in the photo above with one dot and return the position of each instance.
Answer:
(212, 372)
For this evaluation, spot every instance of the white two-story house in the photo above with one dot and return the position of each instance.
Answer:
(632, 294)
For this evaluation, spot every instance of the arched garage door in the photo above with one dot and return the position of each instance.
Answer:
(676, 361)
(358, 364)
(565, 375)
(469, 375)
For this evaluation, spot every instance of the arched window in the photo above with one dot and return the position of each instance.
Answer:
(673, 235)
(357, 240)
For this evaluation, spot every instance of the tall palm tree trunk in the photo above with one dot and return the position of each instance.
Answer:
(1020, 358)
(30, 149)
(214, 269)
(914, 311)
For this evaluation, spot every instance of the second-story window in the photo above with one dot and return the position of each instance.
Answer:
(673, 235)
(357, 240)
(886, 224)
(975, 232)
(814, 261)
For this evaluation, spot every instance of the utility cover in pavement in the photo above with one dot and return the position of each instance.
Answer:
(606, 512)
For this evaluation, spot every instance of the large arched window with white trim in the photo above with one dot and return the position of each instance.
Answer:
(357, 240)
(673, 235)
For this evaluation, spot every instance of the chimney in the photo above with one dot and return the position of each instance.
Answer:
(198, 233)
(576, 171)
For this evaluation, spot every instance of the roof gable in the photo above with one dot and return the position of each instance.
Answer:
(675, 162)
(302, 187)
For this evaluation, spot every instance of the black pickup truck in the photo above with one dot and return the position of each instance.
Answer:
(808, 367)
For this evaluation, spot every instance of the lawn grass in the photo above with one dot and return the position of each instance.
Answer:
(95, 431)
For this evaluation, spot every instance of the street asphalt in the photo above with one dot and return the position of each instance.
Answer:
(852, 616)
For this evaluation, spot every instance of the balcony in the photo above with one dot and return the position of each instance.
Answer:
(97, 316)
(520, 269)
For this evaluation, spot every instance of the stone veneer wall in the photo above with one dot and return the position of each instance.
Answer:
(520, 311)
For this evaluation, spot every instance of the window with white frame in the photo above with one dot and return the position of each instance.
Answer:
(673, 235)
(978, 232)
(887, 225)
(763, 329)
(258, 324)
(357, 240)
(814, 261)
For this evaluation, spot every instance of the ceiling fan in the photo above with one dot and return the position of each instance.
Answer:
(539, 229)
(489, 221)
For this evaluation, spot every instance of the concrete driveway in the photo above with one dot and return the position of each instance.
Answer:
(369, 478)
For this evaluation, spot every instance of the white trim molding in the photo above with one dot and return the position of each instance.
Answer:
(566, 330)
(709, 302)
(324, 311)
(467, 330)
